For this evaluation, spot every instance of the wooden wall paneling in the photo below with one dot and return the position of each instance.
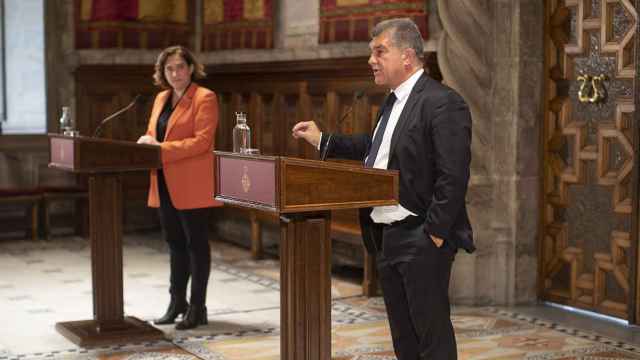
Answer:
(305, 112)
(268, 115)
(267, 132)
(101, 90)
(373, 115)
(318, 111)
(340, 96)
(346, 113)
(88, 116)
(361, 113)
(331, 112)
(236, 104)
(291, 112)
(257, 111)
(279, 145)
(275, 96)
(122, 127)
(226, 122)
(138, 118)
(222, 110)
(293, 71)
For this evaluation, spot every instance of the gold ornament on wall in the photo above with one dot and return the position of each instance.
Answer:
(592, 88)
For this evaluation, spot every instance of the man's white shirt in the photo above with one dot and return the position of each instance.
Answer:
(389, 214)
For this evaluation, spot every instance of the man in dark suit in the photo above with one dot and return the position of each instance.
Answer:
(424, 131)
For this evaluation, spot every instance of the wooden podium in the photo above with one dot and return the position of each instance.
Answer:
(302, 193)
(103, 160)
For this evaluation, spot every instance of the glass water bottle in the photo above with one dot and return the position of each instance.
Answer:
(65, 121)
(241, 134)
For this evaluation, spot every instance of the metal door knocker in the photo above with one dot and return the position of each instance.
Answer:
(592, 88)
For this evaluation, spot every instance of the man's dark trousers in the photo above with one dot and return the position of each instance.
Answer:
(416, 293)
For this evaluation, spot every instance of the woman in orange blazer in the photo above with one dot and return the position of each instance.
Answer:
(183, 123)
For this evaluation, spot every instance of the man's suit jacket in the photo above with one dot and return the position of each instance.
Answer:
(431, 148)
(187, 157)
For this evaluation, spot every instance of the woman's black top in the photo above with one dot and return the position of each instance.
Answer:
(163, 120)
(161, 129)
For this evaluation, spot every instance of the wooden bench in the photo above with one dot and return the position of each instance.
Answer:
(345, 228)
(29, 198)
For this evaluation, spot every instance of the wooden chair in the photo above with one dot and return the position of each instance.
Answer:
(56, 194)
(29, 198)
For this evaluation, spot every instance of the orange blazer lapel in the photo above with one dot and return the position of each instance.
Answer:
(183, 105)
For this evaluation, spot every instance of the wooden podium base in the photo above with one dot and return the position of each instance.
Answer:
(90, 333)
(305, 286)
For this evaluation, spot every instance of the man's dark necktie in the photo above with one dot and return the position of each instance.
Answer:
(377, 139)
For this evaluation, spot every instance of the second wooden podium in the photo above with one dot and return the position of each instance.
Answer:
(303, 192)
(103, 160)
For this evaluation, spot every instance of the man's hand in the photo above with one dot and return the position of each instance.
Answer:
(307, 130)
(149, 140)
(436, 240)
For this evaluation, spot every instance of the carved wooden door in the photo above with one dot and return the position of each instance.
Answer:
(590, 212)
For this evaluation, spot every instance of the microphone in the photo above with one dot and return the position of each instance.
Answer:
(357, 96)
(136, 100)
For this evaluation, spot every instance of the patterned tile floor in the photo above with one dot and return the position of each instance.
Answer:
(43, 283)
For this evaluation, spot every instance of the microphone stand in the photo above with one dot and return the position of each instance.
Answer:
(98, 131)
(323, 154)
(358, 95)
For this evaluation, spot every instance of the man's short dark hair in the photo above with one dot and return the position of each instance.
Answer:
(405, 35)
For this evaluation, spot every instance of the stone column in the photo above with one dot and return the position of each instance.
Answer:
(491, 52)
(299, 23)
(527, 37)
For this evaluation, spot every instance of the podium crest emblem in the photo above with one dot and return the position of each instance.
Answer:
(246, 181)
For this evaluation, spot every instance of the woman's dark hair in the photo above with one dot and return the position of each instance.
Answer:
(158, 76)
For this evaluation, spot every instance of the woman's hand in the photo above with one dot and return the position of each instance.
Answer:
(147, 139)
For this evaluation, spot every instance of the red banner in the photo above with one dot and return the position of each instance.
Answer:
(133, 24)
(113, 10)
(237, 24)
(353, 20)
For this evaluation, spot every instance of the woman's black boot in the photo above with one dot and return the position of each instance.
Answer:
(176, 307)
(196, 315)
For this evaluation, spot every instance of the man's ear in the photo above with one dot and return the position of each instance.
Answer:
(406, 56)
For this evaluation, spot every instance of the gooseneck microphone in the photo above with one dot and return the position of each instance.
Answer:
(136, 100)
(357, 96)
